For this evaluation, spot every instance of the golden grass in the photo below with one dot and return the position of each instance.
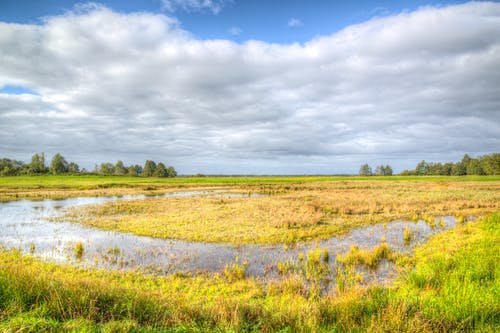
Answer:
(292, 212)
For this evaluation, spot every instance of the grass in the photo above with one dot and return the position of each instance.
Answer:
(368, 258)
(292, 212)
(451, 284)
(58, 187)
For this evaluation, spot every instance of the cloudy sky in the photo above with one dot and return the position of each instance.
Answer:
(250, 87)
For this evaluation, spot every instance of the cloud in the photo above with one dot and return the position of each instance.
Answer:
(235, 31)
(135, 86)
(215, 6)
(294, 23)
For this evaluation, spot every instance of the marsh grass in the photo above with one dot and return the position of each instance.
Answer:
(450, 285)
(407, 236)
(79, 250)
(368, 258)
(294, 213)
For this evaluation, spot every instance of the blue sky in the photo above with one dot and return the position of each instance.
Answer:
(238, 20)
(250, 87)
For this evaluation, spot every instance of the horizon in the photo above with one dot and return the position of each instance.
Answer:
(253, 88)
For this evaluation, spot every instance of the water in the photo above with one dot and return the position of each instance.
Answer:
(28, 226)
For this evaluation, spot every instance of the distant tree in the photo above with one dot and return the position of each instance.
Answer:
(37, 165)
(408, 173)
(388, 170)
(106, 169)
(119, 168)
(134, 170)
(171, 172)
(490, 164)
(380, 170)
(74, 168)
(149, 169)
(10, 167)
(58, 165)
(161, 170)
(459, 169)
(365, 170)
(422, 168)
(474, 167)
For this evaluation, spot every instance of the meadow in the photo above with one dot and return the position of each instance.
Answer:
(449, 283)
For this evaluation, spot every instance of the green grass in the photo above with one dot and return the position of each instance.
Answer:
(452, 284)
(89, 181)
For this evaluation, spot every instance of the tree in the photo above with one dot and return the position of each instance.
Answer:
(474, 167)
(106, 169)
(149, 168)
(380, 170)
(10, 167)
(388, 170)
(58, 165)
(365, 170)
(490, 164)
(422, 168)
(171, 172)
(134, 170)
(119, 168)
(37, 165)
(73, 168)
(160, 171)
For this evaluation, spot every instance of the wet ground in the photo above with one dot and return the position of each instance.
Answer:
(28, 226)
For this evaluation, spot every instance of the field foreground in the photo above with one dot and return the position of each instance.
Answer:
(451, 283)
(455, 286)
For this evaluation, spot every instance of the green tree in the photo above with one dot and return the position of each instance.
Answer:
(73, 168)
(106, 169)
(119, 168)
(365, 170)
(422, 168)
(380, 170)
(490, 164)
(58, 165)
(388, 170)
(474, 167)
(37, 165)
(149, 169)
(10, 167)
(134, 170)
(161, 170)
(171, 172)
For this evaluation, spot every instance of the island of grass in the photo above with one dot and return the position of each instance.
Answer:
(293, 212)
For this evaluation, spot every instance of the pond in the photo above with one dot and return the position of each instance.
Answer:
(29, 226)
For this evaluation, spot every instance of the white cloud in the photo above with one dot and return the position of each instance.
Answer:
(215, 6)
(294, 23)
(395, 90)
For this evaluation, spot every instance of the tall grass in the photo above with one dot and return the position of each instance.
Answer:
(452, 286)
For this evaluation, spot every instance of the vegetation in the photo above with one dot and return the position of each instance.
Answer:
(59, 166)
(483, 165)
(289, 213)
(451, 284)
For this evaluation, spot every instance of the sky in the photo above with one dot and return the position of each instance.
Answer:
(250, 87)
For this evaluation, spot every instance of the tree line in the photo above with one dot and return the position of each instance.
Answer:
(59, 166)
(483, 165)
(381, 170)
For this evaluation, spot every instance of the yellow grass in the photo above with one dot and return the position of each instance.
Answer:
(292, 212)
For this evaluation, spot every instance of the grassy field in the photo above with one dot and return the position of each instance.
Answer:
(58, 187)
(452, 284)
(291, 213)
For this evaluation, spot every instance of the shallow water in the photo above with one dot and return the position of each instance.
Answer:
(27, 226)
